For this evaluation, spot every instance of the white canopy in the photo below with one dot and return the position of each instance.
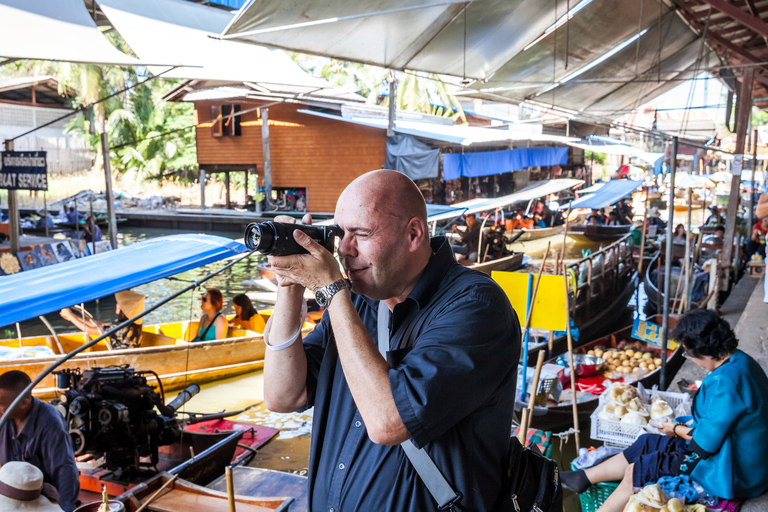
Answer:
(180, 31)
(57, 30)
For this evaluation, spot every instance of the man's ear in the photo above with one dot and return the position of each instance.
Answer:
(417, 231)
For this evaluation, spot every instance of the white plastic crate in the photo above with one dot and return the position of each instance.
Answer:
(621, 434)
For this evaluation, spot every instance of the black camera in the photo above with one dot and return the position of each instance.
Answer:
(276, 238)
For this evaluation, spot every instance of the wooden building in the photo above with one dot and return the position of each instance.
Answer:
(310, 156)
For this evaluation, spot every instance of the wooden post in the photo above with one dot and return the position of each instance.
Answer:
(202, 189)
(751, 216)
(230, 488)
(522, 434)
(110, 196)
(532, 399)
(688, 262)
(245, 201)
(742, 118)
(565, 239)
(642, 240)
(574, 406)
(668, 262)
(226, 185)
(267, 157)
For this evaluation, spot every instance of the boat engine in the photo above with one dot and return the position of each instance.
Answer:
(115, 414)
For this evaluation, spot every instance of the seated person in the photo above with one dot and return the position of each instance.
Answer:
(526, 222)
(129, 304)
(613, 219)
(716, 238)
(596, 218)
(72, 216)
(726, 447)
(636, 233)
(544, 212)
(470, 238)
(213, 325)
(715, 218)
(246, 316)
(624, 212)
(756, 243)
(36, 433)
(538, 221)
(678, 237)
(91, 232)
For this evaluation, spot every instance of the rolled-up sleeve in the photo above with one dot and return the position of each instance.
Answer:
(457, 362)
(717, 413)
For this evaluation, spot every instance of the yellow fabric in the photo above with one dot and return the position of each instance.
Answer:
(255, 323)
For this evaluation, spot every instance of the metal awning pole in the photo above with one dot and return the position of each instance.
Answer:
(392, 105)
(267, 158)
(668, 263)
(751, 216)
(110, 196)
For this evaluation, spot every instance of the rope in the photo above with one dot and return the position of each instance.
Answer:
(565, 436)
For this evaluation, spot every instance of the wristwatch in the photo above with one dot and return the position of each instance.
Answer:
(324, 294)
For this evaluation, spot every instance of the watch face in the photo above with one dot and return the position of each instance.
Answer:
(321, 298)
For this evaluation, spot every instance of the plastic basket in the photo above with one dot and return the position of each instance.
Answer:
(613, 432)
(545, 385)
(593, 498)
(673, 399)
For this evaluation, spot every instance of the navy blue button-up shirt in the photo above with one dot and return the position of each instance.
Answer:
(45, 443)
(454, 348)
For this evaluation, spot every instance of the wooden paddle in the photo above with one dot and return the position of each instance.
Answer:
(532, 399)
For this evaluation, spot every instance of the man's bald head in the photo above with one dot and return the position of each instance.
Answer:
(388, 193)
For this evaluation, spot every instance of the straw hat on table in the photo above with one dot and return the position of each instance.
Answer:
(21, 487)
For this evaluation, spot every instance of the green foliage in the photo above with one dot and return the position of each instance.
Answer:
(416, 92)
(137, 120)
(597, 157)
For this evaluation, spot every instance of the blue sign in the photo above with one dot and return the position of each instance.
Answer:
(23, 170)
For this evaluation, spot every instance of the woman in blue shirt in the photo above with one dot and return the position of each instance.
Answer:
(725, 450)
(213, 325)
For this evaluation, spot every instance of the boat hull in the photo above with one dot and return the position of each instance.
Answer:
(538, 233)
(511, 262)
(597, 233)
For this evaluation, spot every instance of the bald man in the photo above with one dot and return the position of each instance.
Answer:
(446, 379)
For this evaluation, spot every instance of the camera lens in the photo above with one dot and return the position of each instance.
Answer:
(259, 237)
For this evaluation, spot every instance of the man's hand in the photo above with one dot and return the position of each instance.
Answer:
(314, 270)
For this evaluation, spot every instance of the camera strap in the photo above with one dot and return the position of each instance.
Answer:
(436, 483)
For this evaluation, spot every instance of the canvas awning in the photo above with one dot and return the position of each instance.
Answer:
(40, 291)
(453, 134)
(58, 30)
(181, 31)
(534, 190)
(610, 57)
(608, 194)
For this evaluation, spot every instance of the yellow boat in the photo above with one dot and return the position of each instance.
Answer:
(165, 350)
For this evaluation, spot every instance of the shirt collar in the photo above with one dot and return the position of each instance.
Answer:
(429, 281)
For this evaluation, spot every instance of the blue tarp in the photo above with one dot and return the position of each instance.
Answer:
(40, 291)
(608, 194)
(488, 163)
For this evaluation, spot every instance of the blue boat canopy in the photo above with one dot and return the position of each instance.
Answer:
(608, 194)
(40, 291)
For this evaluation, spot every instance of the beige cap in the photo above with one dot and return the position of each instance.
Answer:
(131, 303)
(21, 486)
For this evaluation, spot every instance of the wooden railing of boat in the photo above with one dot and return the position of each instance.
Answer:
(599, 278)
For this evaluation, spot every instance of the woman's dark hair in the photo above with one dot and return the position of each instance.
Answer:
(217, 298)
(244, 302)
(677, 228)
(703, 333)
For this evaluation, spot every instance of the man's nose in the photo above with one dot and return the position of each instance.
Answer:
(347, 246)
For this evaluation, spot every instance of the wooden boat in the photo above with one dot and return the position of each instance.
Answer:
(604, 283)
(538, 233)
(558, 418)
(682, 205)
(597, 233)
(509, 262)
(184, 496)
(164, 349)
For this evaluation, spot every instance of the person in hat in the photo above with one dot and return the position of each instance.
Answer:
(35, 434)
(129, 304)
(22, 489)
(636, 233)
(654, 218)
(715, 219)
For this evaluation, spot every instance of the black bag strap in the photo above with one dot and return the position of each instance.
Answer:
(436, 483)
(201, 336)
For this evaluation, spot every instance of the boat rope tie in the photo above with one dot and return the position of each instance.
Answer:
(565, 436)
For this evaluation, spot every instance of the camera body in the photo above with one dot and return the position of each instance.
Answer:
(276, 238)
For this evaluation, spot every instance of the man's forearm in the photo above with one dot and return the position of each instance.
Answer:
(285, 371)
(366, 373)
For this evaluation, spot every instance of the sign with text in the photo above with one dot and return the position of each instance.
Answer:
(650, 333)
(23, 170)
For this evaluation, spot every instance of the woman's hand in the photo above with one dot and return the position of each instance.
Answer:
(668, 428)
